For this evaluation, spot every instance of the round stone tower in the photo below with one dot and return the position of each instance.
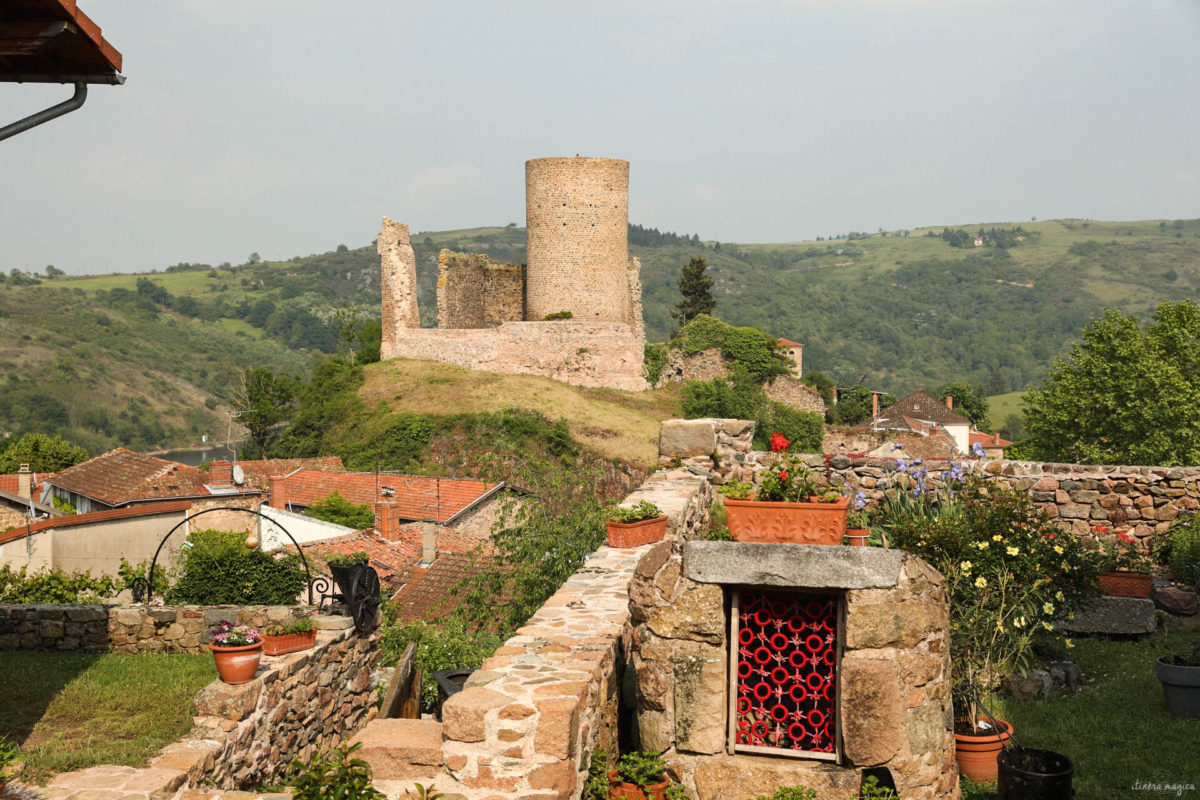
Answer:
(577, 252)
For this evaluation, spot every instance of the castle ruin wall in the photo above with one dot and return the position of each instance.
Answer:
(398, 281)
(475, 292)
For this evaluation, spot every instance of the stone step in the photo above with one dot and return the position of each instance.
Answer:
(1113, 615)
(401, 749)
(108, 782)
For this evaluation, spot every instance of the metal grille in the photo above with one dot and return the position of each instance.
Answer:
(785, 672)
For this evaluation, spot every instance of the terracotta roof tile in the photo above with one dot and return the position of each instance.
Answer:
(988, 439)
(428, 593)
(922, 405)
(10, 483)
(416, 497)
(788, 343)
(122, 476)
(258, 473)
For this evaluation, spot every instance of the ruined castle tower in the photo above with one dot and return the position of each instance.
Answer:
(398, 279)
(577, 222)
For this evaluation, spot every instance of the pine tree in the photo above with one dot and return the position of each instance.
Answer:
(696, 288)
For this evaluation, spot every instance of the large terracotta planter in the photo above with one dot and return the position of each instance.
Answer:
(787, 523)
(619, 790)
(976, 754)
(1125, 584)
(237, 664)
(288, 642)
(636, 534)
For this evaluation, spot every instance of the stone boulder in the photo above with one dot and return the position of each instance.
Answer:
(1177, 600)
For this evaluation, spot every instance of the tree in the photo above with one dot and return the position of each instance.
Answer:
(696, 289)
(970, 401)
(41, 452)
(1126, 394)
(262, 400)
(340, 511)
(53, 271)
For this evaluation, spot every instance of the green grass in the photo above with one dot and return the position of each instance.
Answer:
(1116, 730)
(1000, 406)
(70, 711)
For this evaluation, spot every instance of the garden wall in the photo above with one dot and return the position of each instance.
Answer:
(128, 629)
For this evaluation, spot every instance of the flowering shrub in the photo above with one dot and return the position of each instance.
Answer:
(226, 634)
(1121, 554)
(1010, 571)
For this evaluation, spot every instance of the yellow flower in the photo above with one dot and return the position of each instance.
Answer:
(1058, 596)
(981, 582)
(1070, 615)
(1012, 551)
(1048, 608)
(1047, 626)
(965, 567)
(982, 545)
(1019, 622)
(1069, 643)
(997, 538)
(1058, 549)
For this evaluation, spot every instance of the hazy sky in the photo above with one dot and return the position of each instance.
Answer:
(288, 128)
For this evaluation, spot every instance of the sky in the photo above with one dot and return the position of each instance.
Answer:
(288, 128)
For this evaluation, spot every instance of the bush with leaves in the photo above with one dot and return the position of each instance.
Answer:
(741, 397)
(217, 568)
(337, 509)
(451, 644)
(1185, 551)
(334, 776)
(53, 586)
(41, 452)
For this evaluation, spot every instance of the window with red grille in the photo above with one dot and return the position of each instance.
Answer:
(783, 682)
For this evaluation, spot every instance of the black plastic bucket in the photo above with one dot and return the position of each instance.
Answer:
(449, 682)
(1027, 773)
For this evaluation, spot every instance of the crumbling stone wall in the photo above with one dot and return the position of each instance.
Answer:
(473, 292)
(702, 366)
(398, 283)
(579, 353)
(791, 391)
(128, 629)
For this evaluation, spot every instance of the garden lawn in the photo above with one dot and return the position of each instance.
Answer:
(73, 710)
(1116, 729)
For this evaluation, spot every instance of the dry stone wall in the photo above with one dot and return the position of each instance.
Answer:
(474, 292)
(579, 353)
(128, 629)
(792, 392)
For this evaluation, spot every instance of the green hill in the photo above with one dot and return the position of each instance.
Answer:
(891, 309)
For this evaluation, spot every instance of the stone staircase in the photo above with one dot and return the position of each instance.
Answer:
(403, 753)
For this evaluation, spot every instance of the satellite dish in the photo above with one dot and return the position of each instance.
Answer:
(239, 475)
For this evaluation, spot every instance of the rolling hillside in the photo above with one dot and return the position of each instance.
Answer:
(892, 309)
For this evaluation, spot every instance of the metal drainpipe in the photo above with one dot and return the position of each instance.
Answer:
(54, 112)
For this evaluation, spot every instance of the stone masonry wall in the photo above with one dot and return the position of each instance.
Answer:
(577, 234)
(894, 674)
(702, 366)
(128, 629)
(1139, 501)
(473, 292)
(527, 723)
(792, 392)
(398, 283)
(579, 353)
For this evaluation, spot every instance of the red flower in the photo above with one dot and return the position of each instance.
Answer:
(779, 443)
(783, 475)
(1098, 529)
(1049, 534)
(1124, 537)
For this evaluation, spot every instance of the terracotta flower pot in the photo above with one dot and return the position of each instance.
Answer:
(976, 753)
(619, 790)
(288, 642)
(1125, 584)
(788, 523)
(237, 664)
(636, 534)
(857, 537)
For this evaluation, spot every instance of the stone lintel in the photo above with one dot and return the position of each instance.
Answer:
(785, 565)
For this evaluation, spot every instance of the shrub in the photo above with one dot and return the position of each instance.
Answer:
(557, 315)
(217, 568)
(743, 398)
(641, 769)
(340, 511)
(451, 646)
(334, 776)
(53, 586)
(642, 511)
(348, 559)
(655, 359)
(1185, 551)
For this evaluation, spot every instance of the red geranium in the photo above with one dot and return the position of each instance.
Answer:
(779, 443)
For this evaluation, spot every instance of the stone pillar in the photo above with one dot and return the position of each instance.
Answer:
(398, 283)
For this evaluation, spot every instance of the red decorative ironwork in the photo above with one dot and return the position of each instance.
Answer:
(787, 671)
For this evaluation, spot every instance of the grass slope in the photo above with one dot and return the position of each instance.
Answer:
(611, 422)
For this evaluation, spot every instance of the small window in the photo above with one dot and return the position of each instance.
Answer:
(783, 674)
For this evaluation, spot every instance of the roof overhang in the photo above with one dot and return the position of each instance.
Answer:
(53, 41)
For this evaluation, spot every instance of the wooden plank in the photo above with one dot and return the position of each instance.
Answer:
(400, 687)
(412, 704)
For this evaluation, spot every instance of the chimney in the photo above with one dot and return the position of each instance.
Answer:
(24, 484)
(278, 493)
(950, 402)
(996, 440)
(874, 405)
(428, 544)
(387, 521)
(220, 473)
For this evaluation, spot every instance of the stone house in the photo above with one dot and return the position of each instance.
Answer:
(794, 351)
(920, 413)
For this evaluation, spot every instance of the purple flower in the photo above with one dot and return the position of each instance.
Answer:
(901, 465)
(860, 500)
(897, 446)
(977, 450)
(956, 471)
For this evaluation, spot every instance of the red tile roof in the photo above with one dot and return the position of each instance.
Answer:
(988, 439)
(788, 343)
(122, 476)
(416, 497)
(258, 473)
(146, 509)
(429, 593)
(9, 483)
(388, 558)
(41, 47)
(920, 405)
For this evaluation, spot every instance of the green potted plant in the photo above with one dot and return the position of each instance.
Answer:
(10, 761)
(236, 649)
(299, 634)
(345, 569)
(787, 506)
(633, 526)
(1010, 573)
(639, 776)
(1125, 570)
(858, 522)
